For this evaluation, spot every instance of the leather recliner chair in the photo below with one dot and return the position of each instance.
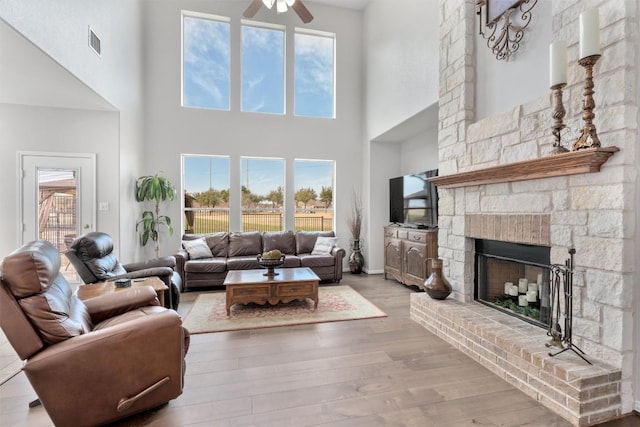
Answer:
(89, 362)
(92, 256)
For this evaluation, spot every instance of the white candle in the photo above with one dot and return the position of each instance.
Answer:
(557, 63)
(532, 287)
(523, 286)
(507, 287)
(532, 296)
(522, 301)
(514, 291)
(589, 33)
(539, 281)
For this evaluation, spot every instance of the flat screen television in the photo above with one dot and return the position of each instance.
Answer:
(413, 200)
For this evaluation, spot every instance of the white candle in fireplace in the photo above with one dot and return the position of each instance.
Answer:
(523, 286)
(514, 291)
(522, 301)
(539, 281)
(507, 287)
(532, 296)
(532, 287)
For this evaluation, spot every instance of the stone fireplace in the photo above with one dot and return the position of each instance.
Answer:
(498, 181)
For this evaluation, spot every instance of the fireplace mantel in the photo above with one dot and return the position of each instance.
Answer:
(571, 163)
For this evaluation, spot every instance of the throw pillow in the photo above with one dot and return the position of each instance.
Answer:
(324, 245)
(197, 249)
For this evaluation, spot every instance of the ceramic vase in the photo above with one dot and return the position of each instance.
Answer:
(356, 260)
(436, 285)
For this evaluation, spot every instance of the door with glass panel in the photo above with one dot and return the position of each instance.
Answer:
(58, 197)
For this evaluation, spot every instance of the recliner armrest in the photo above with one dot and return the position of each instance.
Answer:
(109, 305)
(160, 272)
(168, 261)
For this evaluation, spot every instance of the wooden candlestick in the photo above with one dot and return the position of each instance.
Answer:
(558, 114)
(589, 137)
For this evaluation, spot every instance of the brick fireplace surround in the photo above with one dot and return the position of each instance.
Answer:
(595, 213)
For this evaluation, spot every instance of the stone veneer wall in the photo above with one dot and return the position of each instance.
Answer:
(594, 213)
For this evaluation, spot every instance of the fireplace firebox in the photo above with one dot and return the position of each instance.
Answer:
(514, 278)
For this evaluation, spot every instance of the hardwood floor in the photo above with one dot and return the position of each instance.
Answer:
(374, 372)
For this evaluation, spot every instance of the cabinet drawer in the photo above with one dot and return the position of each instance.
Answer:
(390, 232)
(416, 236)
(402, 234)
(295, 289)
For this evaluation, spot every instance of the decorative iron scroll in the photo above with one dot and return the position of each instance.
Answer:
(562, 307)
(505, 33)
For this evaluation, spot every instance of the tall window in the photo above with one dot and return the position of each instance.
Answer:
(262, 187)
(205, 61)
(314, 194)
(206, 193)
(262, 68)
(314, 83)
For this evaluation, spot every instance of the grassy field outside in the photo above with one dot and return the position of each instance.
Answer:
(210, 221)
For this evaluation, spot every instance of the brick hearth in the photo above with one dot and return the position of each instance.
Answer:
(515, 350)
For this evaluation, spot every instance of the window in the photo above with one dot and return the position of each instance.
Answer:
(262, 187)
(262, 69)
(314, 195)
(206, 193)
(205, 61)
(314, 83)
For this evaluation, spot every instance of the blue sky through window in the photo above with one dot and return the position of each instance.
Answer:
(314, 75)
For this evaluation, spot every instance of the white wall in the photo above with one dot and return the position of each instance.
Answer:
(402, 75)
(172, 130)
(419, 153)
(29, 128)
(501, 85)
(60, 29)
(401, 39)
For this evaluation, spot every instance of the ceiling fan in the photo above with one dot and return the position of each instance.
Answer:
(281, 7)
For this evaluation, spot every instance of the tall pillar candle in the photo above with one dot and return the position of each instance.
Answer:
(557, 63)
(523, 286)
(589, 33)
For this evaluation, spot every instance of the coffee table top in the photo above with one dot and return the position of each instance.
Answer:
(239, 277)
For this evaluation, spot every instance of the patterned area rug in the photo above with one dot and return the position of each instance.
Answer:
(336, 303)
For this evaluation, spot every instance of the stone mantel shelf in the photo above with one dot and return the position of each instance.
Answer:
(571, 163)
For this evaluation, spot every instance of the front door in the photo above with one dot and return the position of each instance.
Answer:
(58, 196)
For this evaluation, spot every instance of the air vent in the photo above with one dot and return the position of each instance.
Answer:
(94, 41)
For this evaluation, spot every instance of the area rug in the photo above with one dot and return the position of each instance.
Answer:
(336, 303)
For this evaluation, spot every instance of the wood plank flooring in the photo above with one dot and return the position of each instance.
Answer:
(374, 372)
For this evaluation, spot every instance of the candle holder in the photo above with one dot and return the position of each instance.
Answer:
(589, 137)
(558, 114)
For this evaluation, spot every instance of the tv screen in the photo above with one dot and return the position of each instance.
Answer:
(413, 200)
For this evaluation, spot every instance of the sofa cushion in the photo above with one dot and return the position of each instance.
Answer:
(324, 245)
(207, 265)
(306, 240)
(242, 263)
(317, 261)
(218, 242)
(285, 241)
(197, 248)
(245, 243)
(291, 261)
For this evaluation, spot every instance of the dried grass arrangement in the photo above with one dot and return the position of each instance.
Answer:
(355, 220)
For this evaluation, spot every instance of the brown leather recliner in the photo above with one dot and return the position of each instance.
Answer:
(92, 256)
(89, 362)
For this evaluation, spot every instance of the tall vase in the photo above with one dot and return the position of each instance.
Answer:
(436, 285)
(356, 260)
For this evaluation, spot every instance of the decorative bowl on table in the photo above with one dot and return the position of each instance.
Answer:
(270, 264)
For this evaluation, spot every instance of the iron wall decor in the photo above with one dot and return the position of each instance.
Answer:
(504, 24)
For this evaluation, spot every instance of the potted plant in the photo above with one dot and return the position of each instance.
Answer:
(356, 260)
(158, 189)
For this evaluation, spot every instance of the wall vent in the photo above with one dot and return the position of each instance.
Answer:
(94, 42)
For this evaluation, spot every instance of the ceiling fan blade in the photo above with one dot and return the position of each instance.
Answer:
(302, 11)
(253, 8)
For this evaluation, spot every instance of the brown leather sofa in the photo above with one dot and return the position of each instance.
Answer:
(89, 362)
(92, 256)
(239, 251)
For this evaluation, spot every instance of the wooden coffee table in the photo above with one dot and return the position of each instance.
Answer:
(102, 288)
(245, 286)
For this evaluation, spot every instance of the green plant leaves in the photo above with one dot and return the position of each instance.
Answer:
(154, 188)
